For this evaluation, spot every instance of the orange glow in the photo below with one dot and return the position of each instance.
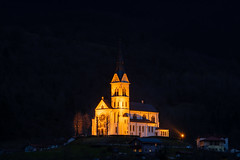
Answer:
(182, 135)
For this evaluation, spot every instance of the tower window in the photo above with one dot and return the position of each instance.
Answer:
(116, 92)
(139, 128)
(114, 104)
(118, 104)
(133, 128)
(114, 117)
(124, 92)
(130, 127)
(143, 128)
(125, 104)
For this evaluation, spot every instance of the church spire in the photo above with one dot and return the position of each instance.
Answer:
(120, 63)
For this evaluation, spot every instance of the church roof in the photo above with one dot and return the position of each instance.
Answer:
(142, 107)
(212, 139)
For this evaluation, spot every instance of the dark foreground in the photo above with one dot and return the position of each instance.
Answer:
(93, 148)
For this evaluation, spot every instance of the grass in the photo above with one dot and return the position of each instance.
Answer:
(82, 148)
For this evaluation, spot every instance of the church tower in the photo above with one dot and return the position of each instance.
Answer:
(120, 98)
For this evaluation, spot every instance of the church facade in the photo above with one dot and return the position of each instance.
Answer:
(119, 116)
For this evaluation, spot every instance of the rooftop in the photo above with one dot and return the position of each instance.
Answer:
(142, 107)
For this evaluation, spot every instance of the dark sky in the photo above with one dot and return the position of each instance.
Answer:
(211, 27)
(183, 54)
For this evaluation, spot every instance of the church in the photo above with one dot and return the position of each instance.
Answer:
(122, 117)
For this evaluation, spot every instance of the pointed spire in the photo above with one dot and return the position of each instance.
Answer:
(120, 63)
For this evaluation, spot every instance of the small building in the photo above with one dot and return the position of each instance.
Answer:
(213, 144)
(146, 145)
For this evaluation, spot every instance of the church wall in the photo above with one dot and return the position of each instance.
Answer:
(142, 129)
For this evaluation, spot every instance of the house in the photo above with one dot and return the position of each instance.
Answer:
(146, 145)
(120, 116)
(213, 144)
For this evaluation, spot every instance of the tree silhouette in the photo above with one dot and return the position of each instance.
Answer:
(78, 123)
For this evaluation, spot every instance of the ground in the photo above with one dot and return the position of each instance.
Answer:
(114, 147)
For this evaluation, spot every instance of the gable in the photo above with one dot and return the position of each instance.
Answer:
(124, 78)
(115, 78)
(103, 104)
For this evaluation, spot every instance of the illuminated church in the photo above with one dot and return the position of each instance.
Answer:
(122, 117)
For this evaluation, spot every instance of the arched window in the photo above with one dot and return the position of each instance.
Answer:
(144, 117)
(153, 119)
(114, 117)
(134, 116)
(116, 93)
(124, 92)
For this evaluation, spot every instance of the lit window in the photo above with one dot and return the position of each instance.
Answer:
(150, 150)
(140, 150)
(155, 144)
(135, 150)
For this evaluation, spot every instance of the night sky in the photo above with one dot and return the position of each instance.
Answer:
(57, 58)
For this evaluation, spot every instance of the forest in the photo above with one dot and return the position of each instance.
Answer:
(59, 62)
